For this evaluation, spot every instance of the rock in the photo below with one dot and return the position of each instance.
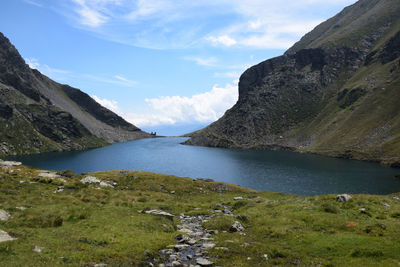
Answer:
(181, 247)
(182, 238)
(48, 174)
(4, 216)
(172, 192)
(176, 263)
(100, 265)
(343, 197)
(20, 208)
(9, 163)
(59, 189)
(37, 249)
(396, 198)
(363, 210)
(4, 236)
(238, 198)
(90, 180)
(386, 205)
(204, 262)
(265, 256)
(160, 212)
(208, 245)
(105, 184)
(221, 248)
(236, 227)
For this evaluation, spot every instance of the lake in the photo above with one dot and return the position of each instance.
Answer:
(274, 171)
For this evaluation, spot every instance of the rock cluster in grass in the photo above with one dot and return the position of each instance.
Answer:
(193, 244)
(91, 180)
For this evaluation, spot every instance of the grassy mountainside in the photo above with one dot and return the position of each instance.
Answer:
(335, 92)
(38, 114)
(107, 225)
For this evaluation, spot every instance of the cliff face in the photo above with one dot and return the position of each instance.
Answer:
(38, 114)
(335, 92)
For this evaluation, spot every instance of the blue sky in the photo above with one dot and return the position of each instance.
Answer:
(168, 65)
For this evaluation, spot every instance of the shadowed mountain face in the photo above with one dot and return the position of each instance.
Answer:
(38, 114)
(335, 92)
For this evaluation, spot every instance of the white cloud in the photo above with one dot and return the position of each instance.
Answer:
(165, 24)
(116, 80)
(34, 3)
(32, 62)
(125, 81)
(201, 108)
(209, 61)
(204, 108)
(231, 74)
(110, 104)
(222, 40)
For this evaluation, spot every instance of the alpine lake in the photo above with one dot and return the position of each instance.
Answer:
(273, 171)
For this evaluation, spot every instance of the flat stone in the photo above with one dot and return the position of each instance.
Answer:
(204, 262)
(9, 163)
(105, 184)
(176, 263)
(236, 227)
(4, 216)
(20, 208)
(181, 247)
(208, 245)
(90, 180)
(4, 236)
(222, 248)
(160, 212)
(48, 174)
(59, 189)
(343, 197)
(238, 198)
(37, 249)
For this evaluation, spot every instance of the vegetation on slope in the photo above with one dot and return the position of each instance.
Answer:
(87, 224)
(335, 92)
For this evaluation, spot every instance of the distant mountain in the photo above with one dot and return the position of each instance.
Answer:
(336, 92)
(38, 114)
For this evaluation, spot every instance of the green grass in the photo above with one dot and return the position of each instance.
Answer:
(84, 225)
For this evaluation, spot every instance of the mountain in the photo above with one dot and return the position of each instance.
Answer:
(336, 92)
(38, 114)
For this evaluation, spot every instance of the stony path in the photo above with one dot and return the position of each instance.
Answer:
(191, 249)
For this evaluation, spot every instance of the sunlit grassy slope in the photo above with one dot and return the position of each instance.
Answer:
(84, 224)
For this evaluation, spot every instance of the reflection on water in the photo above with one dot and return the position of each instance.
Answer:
(276, 171)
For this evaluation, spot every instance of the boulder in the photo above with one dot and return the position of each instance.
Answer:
(204, 262)
(160, 212)
(9, 163)
(236, 227)
(4, 216)
(4, 236)
(90, 180)
(343, 197)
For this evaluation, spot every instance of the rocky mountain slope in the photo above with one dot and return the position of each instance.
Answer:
(335, 92)
(38, 114)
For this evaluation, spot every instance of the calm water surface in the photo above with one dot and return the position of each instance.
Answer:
(275, 171)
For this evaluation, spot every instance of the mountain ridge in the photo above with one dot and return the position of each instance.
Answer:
(38, 114)
(333, 93)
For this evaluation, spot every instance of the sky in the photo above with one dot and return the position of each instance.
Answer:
(170, 66)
